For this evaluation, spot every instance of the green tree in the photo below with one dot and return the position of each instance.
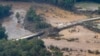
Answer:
(42, 25)
(57, 53)
(99, 10)
(31, 15)
(39, 23)
(17, 15)
(4, 11)
(3, 35)
(33, 47)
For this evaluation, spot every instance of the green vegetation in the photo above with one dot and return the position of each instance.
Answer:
(67, 4)
(31, 16)
(17, 15)
(42, 25)
(98, 1)
(39, 23)
(94, 52)
(34, 47)
(4, 11)
(99, 10)
(55, 51)
(3, 35)
(72, 39)
(53, 48)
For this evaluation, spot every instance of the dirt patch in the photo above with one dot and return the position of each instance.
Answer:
(52, 14)
(87, 40)
(55, 15)
(79, 32)
(78, 39)
(18, 5)
(77, 48)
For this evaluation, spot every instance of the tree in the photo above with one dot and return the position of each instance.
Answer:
(39, 23)
(57, 53)
(4, 11)
(99, 10)
(31, 15)
(17, 15)
(3, 35)
(42, 25)
(17, 48)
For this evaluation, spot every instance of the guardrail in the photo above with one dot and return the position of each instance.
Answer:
(33, 35)
(64, 26)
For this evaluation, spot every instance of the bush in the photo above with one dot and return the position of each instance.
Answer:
(97, 52)
(3, 35)
(37, 21)
(90, 51)
(57, 53)
(53, 48)
(72, 39)
(99, 10)
(17, 15)
(4, 11)
(34, 47)
(31, 15)
(42, 25)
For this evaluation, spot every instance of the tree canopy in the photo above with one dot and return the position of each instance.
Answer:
(39, 23)
(67, 4)
(31, 15)
(3, 35)
(34, 47)
(4, 10)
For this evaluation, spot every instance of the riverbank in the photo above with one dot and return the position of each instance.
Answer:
(77, 38)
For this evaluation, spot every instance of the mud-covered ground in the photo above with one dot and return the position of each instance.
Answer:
(14, 29)
(86, 39)
(90, 6)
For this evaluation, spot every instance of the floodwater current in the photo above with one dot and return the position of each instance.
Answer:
(15, 29)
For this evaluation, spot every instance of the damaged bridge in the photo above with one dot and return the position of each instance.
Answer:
(64, 26)
(67, 25)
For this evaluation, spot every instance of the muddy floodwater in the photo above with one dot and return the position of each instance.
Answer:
(14, 29)
(88, 5)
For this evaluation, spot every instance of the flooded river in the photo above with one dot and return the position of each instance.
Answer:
(88, 5)
(16, 30)
(13, 28)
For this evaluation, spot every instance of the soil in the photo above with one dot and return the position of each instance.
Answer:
(55, 15)
(87, 40)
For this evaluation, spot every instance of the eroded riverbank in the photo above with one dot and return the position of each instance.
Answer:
(54, 16)
(14, 29)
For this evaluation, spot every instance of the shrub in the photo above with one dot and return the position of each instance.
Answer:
(31, 15)
(57, 53)
(33, 47)
(42, 25)
(3, 35)
(4, 11)
(53, 48)
(99, 10)
(37, 21)
(97, 52)
(17, 15)
(89, 51)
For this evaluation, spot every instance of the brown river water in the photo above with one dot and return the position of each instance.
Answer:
(14, 29)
